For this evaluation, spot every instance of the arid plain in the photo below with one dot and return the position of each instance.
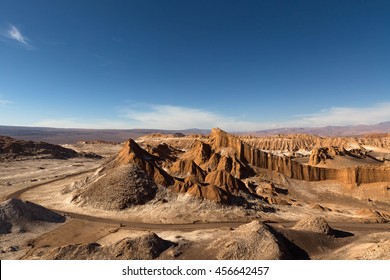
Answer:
(197, 196)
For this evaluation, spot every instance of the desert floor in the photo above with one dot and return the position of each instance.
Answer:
(191, 224)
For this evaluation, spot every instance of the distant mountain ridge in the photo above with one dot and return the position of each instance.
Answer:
(74, 135)
(329, 131)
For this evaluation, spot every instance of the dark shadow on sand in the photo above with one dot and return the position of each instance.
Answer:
(341, 234)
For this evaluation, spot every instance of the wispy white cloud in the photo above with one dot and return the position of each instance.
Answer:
(345, 116)
(4, 102)
(175, 117)
(12, 33)
(15, 34)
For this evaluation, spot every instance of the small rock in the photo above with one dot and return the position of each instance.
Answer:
(13, 249)
(22, 230)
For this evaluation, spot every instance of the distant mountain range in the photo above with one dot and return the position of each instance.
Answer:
(73, 135)
(329, 131)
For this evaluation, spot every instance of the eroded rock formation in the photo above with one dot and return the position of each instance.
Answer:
(213, 168)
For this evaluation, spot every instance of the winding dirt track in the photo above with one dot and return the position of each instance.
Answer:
(132, 225)
(351, 226)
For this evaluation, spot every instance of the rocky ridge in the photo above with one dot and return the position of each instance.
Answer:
(11, 148)
(293, 143)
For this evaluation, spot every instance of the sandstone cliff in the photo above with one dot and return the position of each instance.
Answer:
(291, 143)
(294, 169)
(284, 143)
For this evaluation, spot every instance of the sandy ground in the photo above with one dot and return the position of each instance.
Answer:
(17, 175)
(188, 222)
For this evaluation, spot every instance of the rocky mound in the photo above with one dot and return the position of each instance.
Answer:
(373, 216)
(146, 247)
(314, 224)
(129, 179)
(18, 213)
(11, 148)
(118, 189)
(255, 241)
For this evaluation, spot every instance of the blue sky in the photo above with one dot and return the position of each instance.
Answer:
(238, 65)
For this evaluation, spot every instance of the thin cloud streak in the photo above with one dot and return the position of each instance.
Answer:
(345, 116)
(12, 33)
(159, 116)
(175, 117)
(5, 102)
(15, 34)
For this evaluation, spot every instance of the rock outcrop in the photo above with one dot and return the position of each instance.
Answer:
(296, 170)
(314, 224)
(129, 179)
(184, 168)
(20, 214)
(213, 168)
(11, 148)
(133, 154)
(118, 189)
(209, 192)
(255, 241)
(322, 154)
(145, 247)
(373, 216)
(164, 152)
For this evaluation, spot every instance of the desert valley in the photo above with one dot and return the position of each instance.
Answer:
(197, 196)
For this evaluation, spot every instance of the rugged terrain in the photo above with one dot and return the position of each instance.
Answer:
(216, 196)
(11, 149)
